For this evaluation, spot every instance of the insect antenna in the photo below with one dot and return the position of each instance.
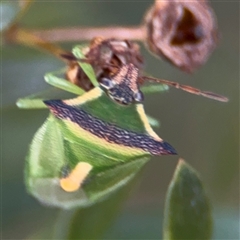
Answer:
(187, 88)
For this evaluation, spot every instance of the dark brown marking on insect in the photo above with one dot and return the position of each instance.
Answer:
(125, 89)
(119, 77)
(108, 131)
(132, 77)
(127, 74)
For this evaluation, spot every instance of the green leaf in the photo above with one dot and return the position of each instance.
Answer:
(45, 159)
(87, 68)
(35, 101)
(187, 211)
(93, 221)
(63, 84)
(153, 121)
(154, 88)
(28, 103)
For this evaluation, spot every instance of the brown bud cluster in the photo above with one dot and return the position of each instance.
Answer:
(182, 31)
(106, 57)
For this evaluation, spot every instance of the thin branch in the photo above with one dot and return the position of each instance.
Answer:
(44, 39)
(75, 34)
(24, 37)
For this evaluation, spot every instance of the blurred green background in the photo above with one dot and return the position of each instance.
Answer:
(204, 132)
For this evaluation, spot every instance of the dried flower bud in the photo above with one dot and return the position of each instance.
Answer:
(103, 55)
(182, 31)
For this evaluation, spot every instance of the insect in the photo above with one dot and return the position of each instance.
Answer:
(91, 145)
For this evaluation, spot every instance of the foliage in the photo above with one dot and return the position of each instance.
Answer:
(108, 174)
(187, 211)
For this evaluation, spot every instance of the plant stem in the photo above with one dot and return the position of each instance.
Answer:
(88, 33)
(44, 39)
(24, 37)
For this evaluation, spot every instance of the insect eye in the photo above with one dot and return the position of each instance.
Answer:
(138, 96)
(106, 83)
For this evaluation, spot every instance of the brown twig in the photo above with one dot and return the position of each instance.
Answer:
(44, 39)
(84, 33)
(24, 37)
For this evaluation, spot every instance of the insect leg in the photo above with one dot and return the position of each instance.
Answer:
(188, 89)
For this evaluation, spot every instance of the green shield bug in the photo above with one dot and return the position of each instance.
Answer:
(92, 145)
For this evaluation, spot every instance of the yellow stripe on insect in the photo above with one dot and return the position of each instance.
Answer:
(91, 95)
(75, 179)
(145, 122)
(114, 147)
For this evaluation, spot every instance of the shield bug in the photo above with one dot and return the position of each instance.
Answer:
(89, 146)
(93, 144)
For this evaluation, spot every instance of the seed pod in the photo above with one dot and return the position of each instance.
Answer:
(184, 32)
